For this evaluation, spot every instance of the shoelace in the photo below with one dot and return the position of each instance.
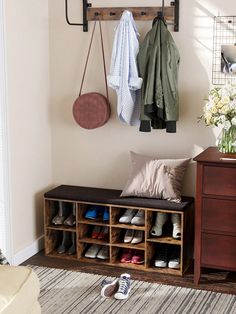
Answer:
(123, 286)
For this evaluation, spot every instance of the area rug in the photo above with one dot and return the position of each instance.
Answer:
(64, 291)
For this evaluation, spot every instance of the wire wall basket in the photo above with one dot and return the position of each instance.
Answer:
(224, 50)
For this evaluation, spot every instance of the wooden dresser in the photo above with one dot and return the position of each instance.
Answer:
(215, 212)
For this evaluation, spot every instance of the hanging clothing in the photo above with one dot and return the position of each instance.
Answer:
(123, 75)
(158, 62)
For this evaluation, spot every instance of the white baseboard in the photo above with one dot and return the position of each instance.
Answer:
(29, 251)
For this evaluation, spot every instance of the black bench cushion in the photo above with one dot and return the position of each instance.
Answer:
(110, 196)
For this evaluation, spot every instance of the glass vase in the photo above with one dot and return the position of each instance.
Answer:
(227, 140)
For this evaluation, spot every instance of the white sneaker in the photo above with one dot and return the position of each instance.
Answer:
(103, 253)
(127, 216)
(138, 237)
(129, 234)
(138, 219)
(124, 287)
(110, 289)
(174, 263)
(93, 251)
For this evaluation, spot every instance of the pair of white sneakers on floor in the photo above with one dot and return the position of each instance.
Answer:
(119, 288)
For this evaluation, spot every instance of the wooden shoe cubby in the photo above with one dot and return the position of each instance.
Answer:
(82, 197)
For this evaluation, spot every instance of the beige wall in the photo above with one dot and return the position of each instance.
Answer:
(27, 43)
(100, 157)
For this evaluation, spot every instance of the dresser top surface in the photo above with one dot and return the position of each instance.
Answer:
(213, 155)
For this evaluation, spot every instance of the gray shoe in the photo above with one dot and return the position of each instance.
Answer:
(58, 220)
(65, 244)
(93, 251)
(110, 288)
(138, 219)
(103, 253)
(70, 221)
(71, 250)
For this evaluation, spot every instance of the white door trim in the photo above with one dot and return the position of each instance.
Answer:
(5, 198)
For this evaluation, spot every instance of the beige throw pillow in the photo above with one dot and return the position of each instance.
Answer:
(153, 178)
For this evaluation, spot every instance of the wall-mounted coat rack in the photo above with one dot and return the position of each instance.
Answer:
(170, 13)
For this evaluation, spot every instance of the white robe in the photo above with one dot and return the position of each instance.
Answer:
(123, 75)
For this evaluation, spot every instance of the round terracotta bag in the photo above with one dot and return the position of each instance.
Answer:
(92, 110)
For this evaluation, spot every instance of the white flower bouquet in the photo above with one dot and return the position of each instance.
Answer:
(220, 110)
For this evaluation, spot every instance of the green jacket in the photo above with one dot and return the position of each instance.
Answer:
(158, 62)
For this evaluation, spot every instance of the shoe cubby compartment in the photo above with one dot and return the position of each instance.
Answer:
(167, 229)
(87, 233)
(93, 252)
(162, 257)
(118, 212)
(51, 210)
(128, 258)
(118, 236)
(145, 210)
(61, 244)
(60, 215)
(93, 213)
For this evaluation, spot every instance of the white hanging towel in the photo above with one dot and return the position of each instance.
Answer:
(123, 75)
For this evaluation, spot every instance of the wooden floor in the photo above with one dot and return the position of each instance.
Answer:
(214, 280)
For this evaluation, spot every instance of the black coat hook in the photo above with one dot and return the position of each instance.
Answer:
(160, 14)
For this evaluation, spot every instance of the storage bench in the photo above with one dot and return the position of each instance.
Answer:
(78, 199)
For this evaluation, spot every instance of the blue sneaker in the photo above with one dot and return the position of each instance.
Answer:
(124, 287)
(106, 214)
(93, 212)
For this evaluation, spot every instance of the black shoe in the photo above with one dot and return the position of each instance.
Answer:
(174, 261)
(161, 258)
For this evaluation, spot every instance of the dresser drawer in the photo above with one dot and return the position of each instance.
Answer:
(218, 251)
(219, 181)
(219, 215)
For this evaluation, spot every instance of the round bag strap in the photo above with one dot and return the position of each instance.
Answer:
(103, 57)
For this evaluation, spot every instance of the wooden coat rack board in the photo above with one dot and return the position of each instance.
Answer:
(170, 13)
